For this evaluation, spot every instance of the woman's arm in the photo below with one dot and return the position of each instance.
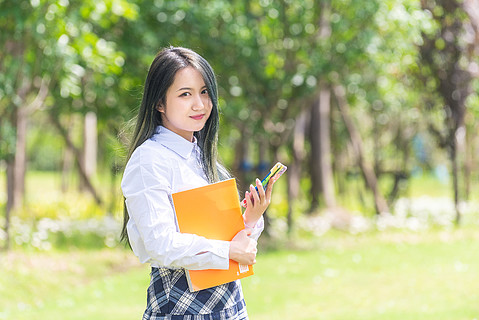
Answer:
(243, 248)
(152, 229)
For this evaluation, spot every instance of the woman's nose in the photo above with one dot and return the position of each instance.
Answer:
(198, 103)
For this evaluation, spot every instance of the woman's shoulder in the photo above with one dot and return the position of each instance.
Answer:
(148, 165)
(150, 152)
(151, 155)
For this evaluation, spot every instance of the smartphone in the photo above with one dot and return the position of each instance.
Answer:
(276, 171)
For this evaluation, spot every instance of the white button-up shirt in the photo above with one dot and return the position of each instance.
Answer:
(164, 164)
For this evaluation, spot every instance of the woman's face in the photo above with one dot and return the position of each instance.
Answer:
(188, 104)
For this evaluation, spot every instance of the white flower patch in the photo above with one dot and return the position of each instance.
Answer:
(39, 233)
(413, 214)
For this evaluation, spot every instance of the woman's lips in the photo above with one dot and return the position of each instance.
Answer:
(197, 117)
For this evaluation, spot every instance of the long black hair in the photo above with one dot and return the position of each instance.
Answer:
(160, 77)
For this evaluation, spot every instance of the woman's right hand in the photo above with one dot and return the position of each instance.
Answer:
(243, 248)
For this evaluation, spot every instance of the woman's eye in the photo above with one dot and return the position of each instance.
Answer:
(204, 91)
(184, 94)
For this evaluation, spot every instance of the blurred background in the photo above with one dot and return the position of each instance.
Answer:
(372, 105)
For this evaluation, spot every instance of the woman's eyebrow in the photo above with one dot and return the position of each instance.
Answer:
(187, 88)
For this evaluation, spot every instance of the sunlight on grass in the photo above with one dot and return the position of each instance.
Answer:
(72, 285)
(373, 276)
(380, 276)
(429, 185)
(413, 265)
(44, 197)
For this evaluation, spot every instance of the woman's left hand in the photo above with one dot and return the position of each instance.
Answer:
(257, 202)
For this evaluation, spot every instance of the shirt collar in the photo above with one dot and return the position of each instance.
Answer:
(175, 142)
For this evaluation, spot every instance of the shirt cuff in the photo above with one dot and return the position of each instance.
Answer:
(257, 229)
(222, 253)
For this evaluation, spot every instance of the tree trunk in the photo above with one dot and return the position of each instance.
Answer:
(77, 154)
(16, 167)
(90, 146)
(467, 172)
(376, 148)
(20, 156)
(455, 184)
(469, 158)
(327, 181)
(67, 160)
(356, 141)
(10, 200)
(455, 175)
(314, 137)
(67, 164)
(321, 169)
(294, 170)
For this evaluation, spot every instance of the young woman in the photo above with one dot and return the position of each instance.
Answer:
(174, 149)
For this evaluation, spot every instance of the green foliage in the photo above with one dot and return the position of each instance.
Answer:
(270, 57)
(71, 46)
(45, 149)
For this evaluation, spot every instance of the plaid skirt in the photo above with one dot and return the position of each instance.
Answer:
(170, 299)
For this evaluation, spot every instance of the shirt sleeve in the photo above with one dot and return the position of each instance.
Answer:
(257, 229)
(152, 229)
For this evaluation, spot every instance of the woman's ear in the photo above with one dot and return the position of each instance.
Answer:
(160, 107)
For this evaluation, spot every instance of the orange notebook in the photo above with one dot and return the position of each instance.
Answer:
(214, 212)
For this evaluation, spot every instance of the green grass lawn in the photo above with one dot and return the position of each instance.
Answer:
(376, 276)
(75, 284)
(389, 275)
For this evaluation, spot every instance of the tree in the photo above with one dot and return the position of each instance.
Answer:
(446, 58)
(50, 46)
(320, 129)
(25, 91)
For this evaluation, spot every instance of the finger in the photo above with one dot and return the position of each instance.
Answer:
(255, 194)
(248, 231)
(269, 188)
(249, 199)
(260, 189)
